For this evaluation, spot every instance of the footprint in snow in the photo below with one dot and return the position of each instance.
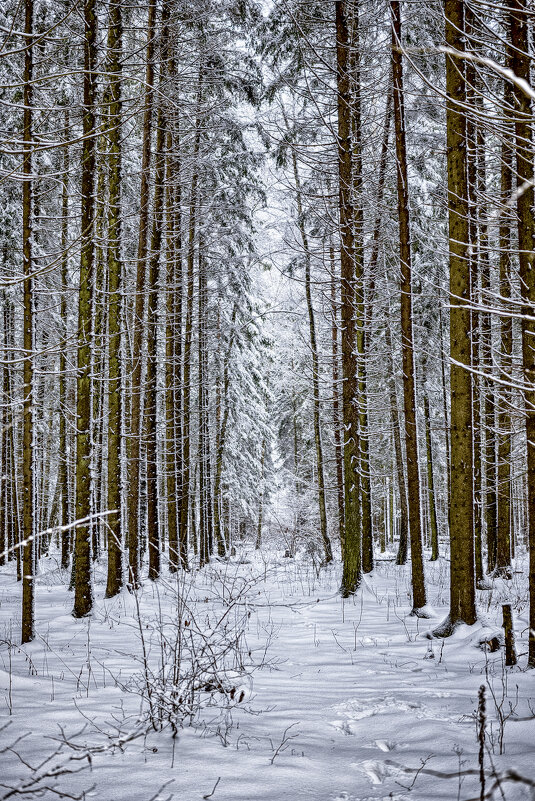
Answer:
(354, 710)
(386, 745)
(377, 771)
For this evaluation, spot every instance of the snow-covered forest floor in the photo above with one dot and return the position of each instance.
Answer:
(284, 690)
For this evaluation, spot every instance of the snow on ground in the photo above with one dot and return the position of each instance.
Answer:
(321, 699)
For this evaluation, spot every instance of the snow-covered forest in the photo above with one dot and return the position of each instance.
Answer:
(267, 400)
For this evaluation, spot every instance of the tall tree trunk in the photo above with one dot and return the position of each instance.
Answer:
(12, 483)
(401, 557)
(431, 483)
(134, 439)
(262, 498)
(462, 579)
(28, 530)
(322, 500)
(115, 545)
(221, 442)
(407, 343)
(447, 432)
(63, 477)
(153, 523)
(188, 332)
(351, 548)
(501, 542)
(205, 489)
(520, 22)
(338, 451)
(4, 443)
(474, 264)
(360, 299)
(173, 342)
(83, 594)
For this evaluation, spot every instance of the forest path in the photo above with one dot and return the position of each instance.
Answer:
(350, 682)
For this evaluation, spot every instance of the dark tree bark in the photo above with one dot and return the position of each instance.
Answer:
(499, 545)
(431, 483)
(407, 341)
(158, 212)
(28, 531)
(115, 543)
(520, 22)
(351, 548)
(63, 477)
(462, 570)
(134, 438)
(322, 499)
(83, 594)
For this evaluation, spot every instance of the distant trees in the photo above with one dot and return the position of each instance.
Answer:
(449, 167)
(387, 400)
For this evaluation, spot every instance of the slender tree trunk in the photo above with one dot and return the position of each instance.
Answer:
(134, 439)
(63, 477)
(12, 483)
(205, 463)
(98, 333)
(173, 343)
(447, 439)
(351, 548)
(188, 333)
(262, 498)
(401, 557)
(338, 451)
(4, 427)
(29, 547)
(501, 542)
(153, 523)
(520, 22)
(322, 500)
(83, 594)
(360, 300)
(221, 441)
(475, 315)
(431, 483)
(462, 571)
(407, 343)
(115, 544)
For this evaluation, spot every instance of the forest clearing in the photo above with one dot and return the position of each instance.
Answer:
(267, 400)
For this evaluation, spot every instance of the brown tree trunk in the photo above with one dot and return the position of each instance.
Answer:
(134, 438)
(500, 543)
(351, 548)
(63, 477)
(188, 333)
(462, 570)
(407, 344)
(83, 594)
(338, 451)
(173, 342)
(431, 483)
(153, 522)
(322, 500)
(520, 22)
(28, 532)
(114, 529)
(401, 557)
